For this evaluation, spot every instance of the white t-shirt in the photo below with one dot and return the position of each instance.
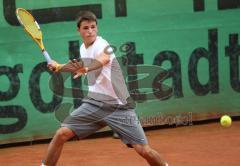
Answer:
(107, 83)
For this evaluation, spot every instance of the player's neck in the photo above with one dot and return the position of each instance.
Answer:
(88, 44)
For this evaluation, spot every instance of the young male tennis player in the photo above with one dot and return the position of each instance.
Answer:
(107, 103)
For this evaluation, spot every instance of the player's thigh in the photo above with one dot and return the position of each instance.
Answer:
(85, 120)
(127, 125)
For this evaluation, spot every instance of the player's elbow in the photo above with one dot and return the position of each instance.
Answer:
(106, 61)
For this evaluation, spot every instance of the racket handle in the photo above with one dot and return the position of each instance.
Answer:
(47, 56)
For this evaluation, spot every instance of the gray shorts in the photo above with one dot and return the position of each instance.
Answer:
(93, 115)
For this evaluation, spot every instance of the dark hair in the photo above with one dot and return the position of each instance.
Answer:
(85, 16)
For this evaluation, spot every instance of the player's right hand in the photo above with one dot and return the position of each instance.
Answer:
(54, 66)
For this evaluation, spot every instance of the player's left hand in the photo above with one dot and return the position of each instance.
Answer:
(80, 72)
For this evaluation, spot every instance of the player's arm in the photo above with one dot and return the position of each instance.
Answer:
(71, 66)
(78, 68)
(101, 60)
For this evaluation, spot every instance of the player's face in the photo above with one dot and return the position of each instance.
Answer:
(88, 31)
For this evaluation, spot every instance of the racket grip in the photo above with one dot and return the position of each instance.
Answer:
(47, 56)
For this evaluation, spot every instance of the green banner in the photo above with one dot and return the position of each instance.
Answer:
(194, 41)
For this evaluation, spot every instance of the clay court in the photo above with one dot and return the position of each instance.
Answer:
(206, 144)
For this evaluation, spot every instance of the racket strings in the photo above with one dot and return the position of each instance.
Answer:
(29, 23)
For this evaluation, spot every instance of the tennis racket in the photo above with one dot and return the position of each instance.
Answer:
(32, 28)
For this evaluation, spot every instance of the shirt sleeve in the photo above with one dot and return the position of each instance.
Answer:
(100, 47)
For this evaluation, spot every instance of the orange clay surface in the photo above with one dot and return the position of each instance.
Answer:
(197, 145)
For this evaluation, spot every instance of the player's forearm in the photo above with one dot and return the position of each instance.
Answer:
(93, 66)
(97, 63)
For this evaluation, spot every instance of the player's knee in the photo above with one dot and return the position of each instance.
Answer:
(64, 134)
(144, 150)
